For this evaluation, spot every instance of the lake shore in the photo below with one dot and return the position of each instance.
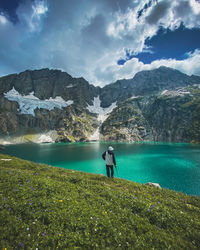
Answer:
(173, 165)
(48, 207)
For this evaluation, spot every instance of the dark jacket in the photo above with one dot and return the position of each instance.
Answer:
(110, 153)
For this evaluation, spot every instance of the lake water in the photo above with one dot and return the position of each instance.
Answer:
(173, 166)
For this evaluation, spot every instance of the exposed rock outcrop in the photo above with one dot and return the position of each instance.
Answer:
(50, 105)
(153, 184)
(170, 118)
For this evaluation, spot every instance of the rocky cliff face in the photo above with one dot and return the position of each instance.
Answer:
(47, 83)
(50, 105)
(126, 123)
(146, 83)
(176, 117)
(35, 102)
(172, 116)
(157, 105)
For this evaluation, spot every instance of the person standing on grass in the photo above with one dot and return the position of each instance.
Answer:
(109, 158)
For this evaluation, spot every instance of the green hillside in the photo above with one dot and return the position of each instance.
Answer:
(44, 207)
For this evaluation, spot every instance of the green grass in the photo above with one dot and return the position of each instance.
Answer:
(46, 207)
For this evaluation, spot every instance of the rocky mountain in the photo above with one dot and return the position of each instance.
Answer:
(146, 82)
(50, 105)
(46, 105)
(171, 116)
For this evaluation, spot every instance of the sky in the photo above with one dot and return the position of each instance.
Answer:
(100, 40)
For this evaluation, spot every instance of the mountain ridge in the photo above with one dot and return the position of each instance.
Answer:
(49, 90)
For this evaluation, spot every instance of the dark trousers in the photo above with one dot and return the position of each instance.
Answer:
(108, 168)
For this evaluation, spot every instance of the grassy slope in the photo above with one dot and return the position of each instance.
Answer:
(48, 208)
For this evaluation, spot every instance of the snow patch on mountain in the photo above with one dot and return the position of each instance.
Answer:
(49, 136)
(28, 103)
(102, 112)
(95, 136)
(45, 138)
(70, 86)
(177, 92)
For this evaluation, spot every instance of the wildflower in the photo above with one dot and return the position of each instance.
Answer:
(152, 206)
(134, 197)
(21, 244)
(4, 198)
(34, 222)
(106, 212)
(60, 200)
(157, 227)
(29, 235)
(15, 189)
(52, 211)
(28, 181)
(10, 208)
(96, 218)
(27, 228)
(43, 234)
(91, 218)
(158, 202)
(59, 234)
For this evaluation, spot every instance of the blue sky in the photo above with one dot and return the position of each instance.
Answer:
(168, 44)
(101, 41)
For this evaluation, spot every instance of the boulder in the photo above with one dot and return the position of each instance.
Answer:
(153, 184)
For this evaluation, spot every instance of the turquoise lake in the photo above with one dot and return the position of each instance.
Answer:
(172, 165)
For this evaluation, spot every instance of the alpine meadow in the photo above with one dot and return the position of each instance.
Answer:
(99, 124)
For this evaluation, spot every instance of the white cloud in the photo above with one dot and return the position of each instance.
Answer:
(127, 26)
(3, 19)
(190, 66)
(30, 14)
(39, 8)
(87, 38)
